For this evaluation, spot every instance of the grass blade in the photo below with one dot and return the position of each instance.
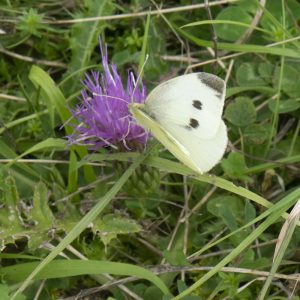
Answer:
(245, 48)
(242, 246)
(227, 22)
(85, 221)
(54, 95)
(81, 267)
(86, 36)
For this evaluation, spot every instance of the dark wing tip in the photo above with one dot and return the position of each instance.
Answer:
(212, 81)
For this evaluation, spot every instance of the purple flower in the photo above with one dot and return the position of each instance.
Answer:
(103, 115)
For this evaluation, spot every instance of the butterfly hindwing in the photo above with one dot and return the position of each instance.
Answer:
(198, 154)
(204, 153)
(160, 134)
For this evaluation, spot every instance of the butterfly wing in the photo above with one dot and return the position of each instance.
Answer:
(163, 136)
(203, 153)
(193, 100)
(198, 154)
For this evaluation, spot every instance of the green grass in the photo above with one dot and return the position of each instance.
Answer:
(141, 225)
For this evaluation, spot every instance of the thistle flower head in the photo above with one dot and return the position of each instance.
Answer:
(103, 114)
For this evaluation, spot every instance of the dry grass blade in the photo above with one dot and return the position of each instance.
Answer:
(284, 239)
(33, 60)
(141, 14)
(254, 23)
(11, 97)
(288, 225)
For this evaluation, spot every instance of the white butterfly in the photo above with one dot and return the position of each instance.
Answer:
(185, 115)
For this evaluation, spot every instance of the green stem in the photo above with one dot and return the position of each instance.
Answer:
(21, 120)
(276, 112)
(296, 134)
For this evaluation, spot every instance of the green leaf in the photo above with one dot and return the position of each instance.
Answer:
(111, 225)
(285, 106)
(31, 23)
(156, 44)
(242, 89)
(40, 212)
(181, 286)
(5, 292)
(179, 168)
(272, 218)
(84, 37)
(10, 218)
(249, 212)
(41, 216)
(227, 23)
(227, 31)
(229, 208)
(278, 163)
(266, 71)
(247, 75)
(235, 167)
(19, 121)
(17, 223)
(73, 173)
(48, 144)
(290, 80)
(7, 152)
(256, 133)
(55, 97)
(124, 57)
(241, 113)
(54, 269)
(176, 257)
(273, 15)
(294, 8)
(86, 220)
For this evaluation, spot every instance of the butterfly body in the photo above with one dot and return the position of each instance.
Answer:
(184, 114)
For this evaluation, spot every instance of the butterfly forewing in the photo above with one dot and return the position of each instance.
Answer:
(200, 155)
(185, 115)
(192, 101)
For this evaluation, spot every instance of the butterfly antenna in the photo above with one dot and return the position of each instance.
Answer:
(136, 82)
(110, 97)
(214, 34)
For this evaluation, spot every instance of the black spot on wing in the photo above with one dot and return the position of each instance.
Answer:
(197, 104)
(193, 123)
(212, 81)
